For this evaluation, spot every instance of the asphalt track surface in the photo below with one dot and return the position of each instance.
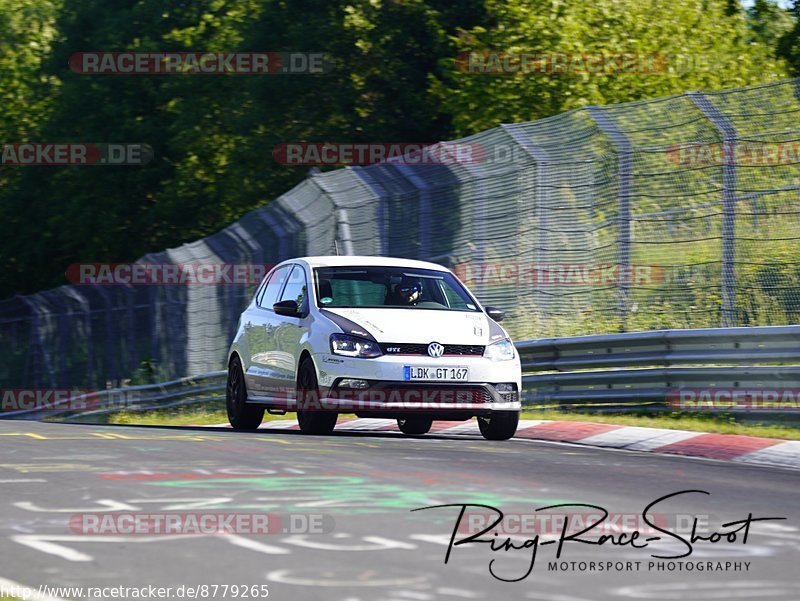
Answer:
(364, 485)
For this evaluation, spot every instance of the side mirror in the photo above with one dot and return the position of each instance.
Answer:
(495, 313)
(287, 307)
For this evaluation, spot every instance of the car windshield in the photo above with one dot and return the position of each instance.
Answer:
(391, 287)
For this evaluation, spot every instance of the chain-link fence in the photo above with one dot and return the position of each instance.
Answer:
(671, 213)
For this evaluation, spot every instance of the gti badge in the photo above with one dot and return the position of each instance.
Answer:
(435, 349)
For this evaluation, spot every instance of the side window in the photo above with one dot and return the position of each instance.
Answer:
(273, 288)
(296, 287)
(260, 291)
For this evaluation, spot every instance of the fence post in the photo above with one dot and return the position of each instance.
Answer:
(728, 132)
(540, 159)
(412, 175)
(382, 209)
(624, 150)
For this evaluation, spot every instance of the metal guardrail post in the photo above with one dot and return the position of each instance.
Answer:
(728, 132)
(624, 150)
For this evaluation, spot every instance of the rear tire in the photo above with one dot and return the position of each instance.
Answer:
(416, 425)
(312, 422)
(241, 414)
(500, 425)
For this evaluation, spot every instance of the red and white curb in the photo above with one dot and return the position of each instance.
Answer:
(734, 447)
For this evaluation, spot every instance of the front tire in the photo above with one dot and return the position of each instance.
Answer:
(416, 425)
(500, 425)
(241, 414)
(312, 422)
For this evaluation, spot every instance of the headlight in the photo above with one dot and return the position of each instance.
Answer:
(352, 346)
(500, 351)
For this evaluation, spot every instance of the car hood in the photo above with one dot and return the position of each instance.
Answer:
(424, 326)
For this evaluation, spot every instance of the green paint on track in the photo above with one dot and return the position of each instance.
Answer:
(352, 494)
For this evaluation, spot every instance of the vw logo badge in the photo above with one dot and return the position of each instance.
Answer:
(435, 349)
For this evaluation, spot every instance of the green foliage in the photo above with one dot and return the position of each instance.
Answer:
(789, 44)
(702, 46)
(769, 22)
(394, 80)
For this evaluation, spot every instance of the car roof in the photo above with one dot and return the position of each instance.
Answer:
(364, 261)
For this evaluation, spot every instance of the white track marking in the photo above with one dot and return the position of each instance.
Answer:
(542, 596)
(278, 424)
(374, 543)
(417, 596)
(622, 437)
(784, 453)
(458, 592)
(470, 427)
(369, 579)
(45, 544)
(105, 505)
(253, 545)
(366, 424)
(436, 539)
(661, 440)
(186, 504)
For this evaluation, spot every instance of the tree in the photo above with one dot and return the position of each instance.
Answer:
(768, 22)
(789, 43)
(699, 46)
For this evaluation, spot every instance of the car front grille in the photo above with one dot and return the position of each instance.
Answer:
(422, 349)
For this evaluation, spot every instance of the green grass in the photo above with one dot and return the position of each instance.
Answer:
(190, 415)
(178, 417)
(698, 422)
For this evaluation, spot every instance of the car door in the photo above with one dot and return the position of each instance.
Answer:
(289, 331)
(259, 326)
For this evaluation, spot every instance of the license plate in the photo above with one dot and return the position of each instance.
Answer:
(436, 374)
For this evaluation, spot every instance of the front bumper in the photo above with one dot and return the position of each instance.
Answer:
(389, 391)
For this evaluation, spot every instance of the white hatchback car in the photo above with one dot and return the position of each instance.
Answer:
(378, 337)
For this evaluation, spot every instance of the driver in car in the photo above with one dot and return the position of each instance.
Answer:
(408, 291)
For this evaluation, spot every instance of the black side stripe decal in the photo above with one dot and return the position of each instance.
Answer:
(347, 326)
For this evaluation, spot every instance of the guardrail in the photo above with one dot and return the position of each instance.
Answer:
(632, 371)
(739, 365)
(203, 388)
